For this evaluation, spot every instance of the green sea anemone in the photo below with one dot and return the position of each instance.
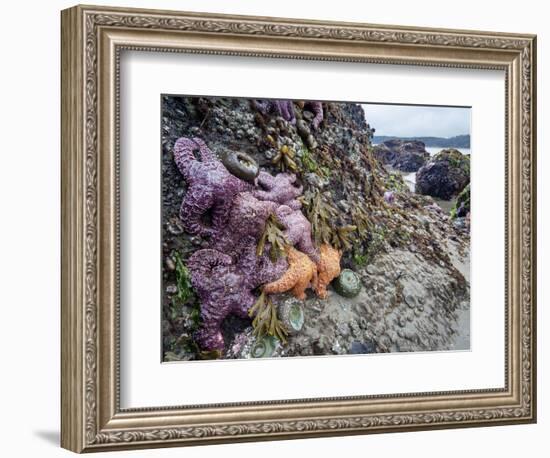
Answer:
(241, 165)
(347, 284)
(292, 315)
(264, 347)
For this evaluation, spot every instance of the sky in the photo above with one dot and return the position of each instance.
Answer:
(417, 121)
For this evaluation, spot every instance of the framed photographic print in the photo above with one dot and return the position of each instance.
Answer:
(278, 228)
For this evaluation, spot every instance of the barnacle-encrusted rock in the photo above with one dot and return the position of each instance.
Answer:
(317, 109)
(328, 268)
(211, 188)
(301, 272)
(447, 173)
(404, 155)
(305, 134)
(241, 165)
(347, 284)
(283, 108)
(281, 188)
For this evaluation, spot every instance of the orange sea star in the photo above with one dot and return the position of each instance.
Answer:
(301, 272)
(328, 269)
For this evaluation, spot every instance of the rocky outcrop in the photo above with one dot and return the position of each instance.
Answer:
(445, 176)
(407, 156)
(408, 255)
(461, 208)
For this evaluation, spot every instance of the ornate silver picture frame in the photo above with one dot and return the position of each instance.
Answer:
(93, 39)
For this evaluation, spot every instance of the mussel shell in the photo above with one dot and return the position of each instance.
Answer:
(241, 165)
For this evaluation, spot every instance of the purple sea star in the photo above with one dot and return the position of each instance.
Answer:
(280, 188)
(389, 197)
(210, 186)
(226, 273)
(225, 287)
(222, 290)
(246, 220)
(283, 108)
(297, 230)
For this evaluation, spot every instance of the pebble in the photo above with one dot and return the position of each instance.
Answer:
(371, 269)
(171, 289)
(270, 153)
(336, 347)
(175, 228)
(170, 265)
(410, 300)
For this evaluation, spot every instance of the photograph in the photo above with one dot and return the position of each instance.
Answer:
(268, 230)
(313, 228)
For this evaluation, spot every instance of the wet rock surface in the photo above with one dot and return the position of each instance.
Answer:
(412, 258)
(403, 155)
(445, 175)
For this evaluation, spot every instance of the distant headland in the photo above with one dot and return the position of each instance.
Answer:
(459, 141)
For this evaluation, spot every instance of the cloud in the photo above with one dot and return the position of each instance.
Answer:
(417, 121)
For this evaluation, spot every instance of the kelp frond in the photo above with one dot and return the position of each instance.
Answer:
(284, 159)
(183, 280)
(266, 321)
(320, 214)
(343, 237)
(274, 235)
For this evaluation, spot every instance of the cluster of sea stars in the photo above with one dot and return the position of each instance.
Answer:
(226, 272)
